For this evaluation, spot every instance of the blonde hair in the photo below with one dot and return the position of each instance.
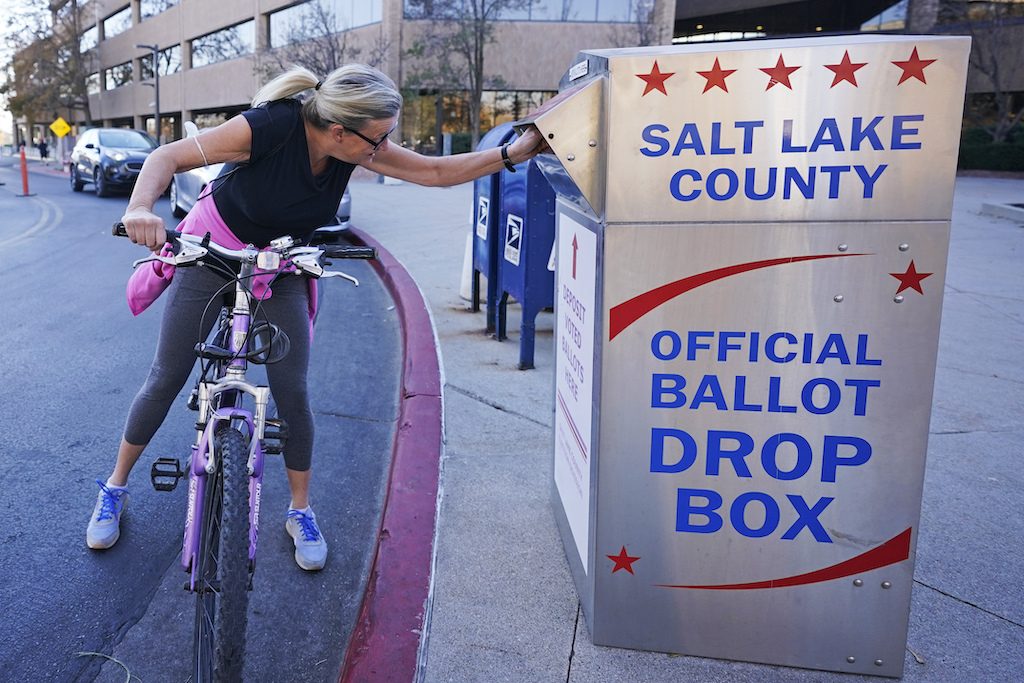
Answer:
(351, 95)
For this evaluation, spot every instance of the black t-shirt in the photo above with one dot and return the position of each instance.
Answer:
(276, 193)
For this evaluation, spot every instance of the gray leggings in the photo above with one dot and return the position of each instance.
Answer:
(180, 330)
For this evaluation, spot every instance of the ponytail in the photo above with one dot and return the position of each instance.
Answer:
(351, 95)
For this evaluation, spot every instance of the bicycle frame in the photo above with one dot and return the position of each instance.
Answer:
(219, 403)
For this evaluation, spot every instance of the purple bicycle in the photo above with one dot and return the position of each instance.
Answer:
(234, 433)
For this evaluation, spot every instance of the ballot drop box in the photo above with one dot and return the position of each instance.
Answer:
(751, 252)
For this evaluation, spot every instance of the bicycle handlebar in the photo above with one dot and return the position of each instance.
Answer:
(284, 246)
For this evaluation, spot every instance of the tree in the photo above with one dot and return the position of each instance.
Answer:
(997, 53)
(450, 56)
(314, 37)
(49, 70)
(643, 28)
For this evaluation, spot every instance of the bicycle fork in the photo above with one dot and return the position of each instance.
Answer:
(202, 464)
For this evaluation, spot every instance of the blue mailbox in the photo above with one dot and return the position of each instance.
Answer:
(487, 202)
(525, 265)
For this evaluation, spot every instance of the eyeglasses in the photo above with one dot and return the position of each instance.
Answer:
(374, 144)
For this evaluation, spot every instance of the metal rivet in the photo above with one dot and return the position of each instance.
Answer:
(898, 298)
(571, 157)
(886, 585)
(551, 136)
(843, 247)
(858, 583)
(879, 662)
(838, 298)
(592, 143)
(904, 246)
(851, 660)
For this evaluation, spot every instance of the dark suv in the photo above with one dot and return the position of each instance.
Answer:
(109, 158)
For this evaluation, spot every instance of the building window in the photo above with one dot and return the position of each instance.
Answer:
(551, 10)
(151, 8)
(230, 43)
(119, 75)
(317, 17)
(170, 62)
(92, 84)
(117, 23)
(90, 39)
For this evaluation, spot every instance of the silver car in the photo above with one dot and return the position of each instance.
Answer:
(188, 187)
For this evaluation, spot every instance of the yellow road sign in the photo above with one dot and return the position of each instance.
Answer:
(60, 127)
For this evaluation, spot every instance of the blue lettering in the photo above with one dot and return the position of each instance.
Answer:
(834, 348)
(808, 517)
(772, 343)
(862, 352)
(807, 396)
(649, 136)
(748, 134)
(686, 459)
(659, 390)
(769, 457)
(899, 132)
(792, 176)
(709, 391)
(689, 138)
(677, 191)
(774, 388)
(859, 134)
(748, 187)
(860, 399)
(744, 447)
(692, 345)
(737, 514)
(740, 397)
(733, 184)
(787, 139)
(685, 509)
(834, 139)
(675, 345)
(716, 141)
(834, 172)
(869, 179)
(831, 460)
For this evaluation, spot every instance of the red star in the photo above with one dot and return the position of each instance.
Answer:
(655, 80)
(845, 70)
(913, 67)
(780, 74)
(911, 279)
(622, 561)
(716, 76)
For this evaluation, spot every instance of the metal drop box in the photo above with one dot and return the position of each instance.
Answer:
(751, 244)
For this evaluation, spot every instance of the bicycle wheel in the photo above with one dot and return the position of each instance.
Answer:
(222, 587)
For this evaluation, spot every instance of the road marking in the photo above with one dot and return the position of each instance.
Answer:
(49, 219)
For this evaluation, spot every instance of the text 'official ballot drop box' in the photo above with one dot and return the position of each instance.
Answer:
(751, 252)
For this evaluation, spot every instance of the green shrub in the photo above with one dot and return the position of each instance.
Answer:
(992, 157)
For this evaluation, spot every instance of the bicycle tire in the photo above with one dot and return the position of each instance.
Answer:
(222, 590)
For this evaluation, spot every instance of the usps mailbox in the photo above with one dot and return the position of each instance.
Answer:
(751, 252)
(487, 203)
(525, 267)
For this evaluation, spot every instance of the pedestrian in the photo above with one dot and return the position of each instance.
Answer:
(289, 160)
(44, 149)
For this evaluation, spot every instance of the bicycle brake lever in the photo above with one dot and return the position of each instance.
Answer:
(338, 273)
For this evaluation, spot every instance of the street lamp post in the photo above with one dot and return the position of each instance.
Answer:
(156, 87)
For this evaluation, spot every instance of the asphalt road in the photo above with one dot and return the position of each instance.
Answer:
(72, 358)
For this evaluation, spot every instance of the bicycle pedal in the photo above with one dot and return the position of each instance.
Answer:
(165, 474)
(275, 435)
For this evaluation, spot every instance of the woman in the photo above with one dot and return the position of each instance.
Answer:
(294, 159)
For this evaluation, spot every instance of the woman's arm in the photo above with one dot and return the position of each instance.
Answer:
(404, 164)
(228, 142)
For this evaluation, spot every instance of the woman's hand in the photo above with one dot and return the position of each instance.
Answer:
(145, 228)
(528, 145)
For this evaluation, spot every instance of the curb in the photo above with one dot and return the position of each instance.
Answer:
(392, 620)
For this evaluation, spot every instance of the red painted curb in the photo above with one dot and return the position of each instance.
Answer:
(385, 642)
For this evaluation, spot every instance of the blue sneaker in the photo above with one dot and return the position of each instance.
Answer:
(310, 546)
(105, 524)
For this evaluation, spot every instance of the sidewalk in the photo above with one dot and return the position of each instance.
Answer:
(503, 605)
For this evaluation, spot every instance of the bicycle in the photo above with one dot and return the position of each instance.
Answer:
(225, 467)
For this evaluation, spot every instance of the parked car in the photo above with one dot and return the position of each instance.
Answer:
(187, 187)
(109, 158)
